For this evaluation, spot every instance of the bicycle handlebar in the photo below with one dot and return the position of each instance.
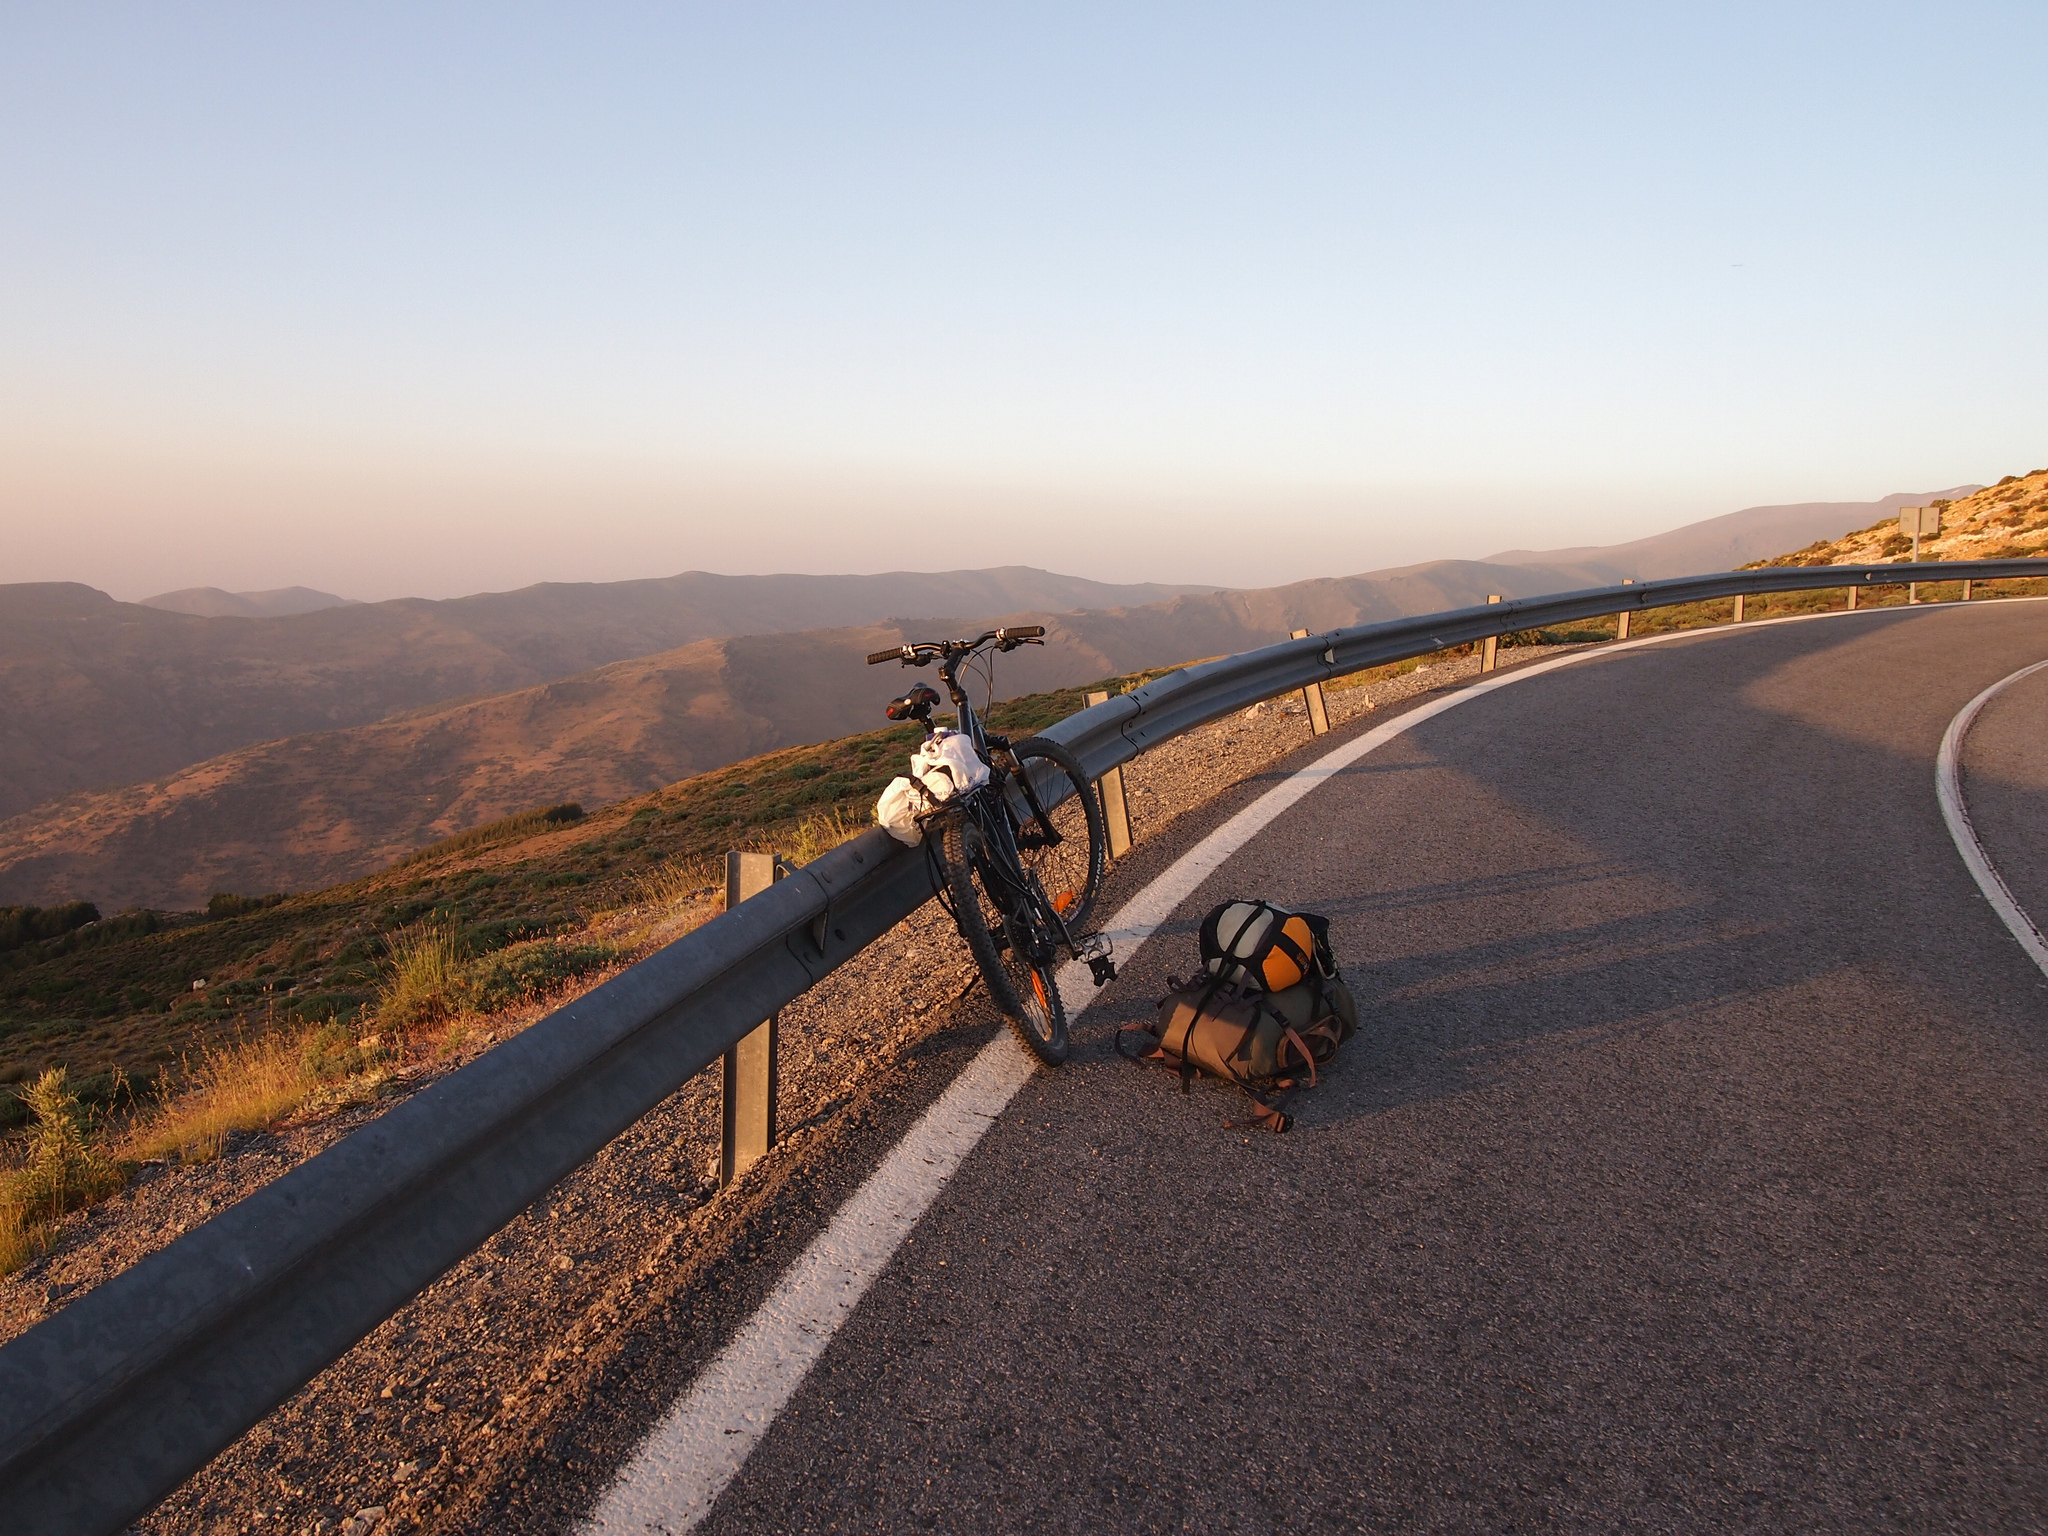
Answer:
(918, 653)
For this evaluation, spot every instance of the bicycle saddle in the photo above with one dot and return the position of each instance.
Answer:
(917, 704)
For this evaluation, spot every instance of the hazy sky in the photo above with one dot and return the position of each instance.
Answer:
(433, 299)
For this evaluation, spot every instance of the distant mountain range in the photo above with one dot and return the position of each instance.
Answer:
(150, 757)
(1726, 543)
(95, 693)
(213, 603)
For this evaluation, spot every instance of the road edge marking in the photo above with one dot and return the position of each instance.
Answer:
(1948, 792)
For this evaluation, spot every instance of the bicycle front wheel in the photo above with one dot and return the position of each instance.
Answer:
(1020, 970)
(1069, 871)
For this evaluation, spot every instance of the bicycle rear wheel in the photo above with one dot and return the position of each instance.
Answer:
(1070, 872)
(1022, 973)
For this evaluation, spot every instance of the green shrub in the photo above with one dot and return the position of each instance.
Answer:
(509, 829)
(26, 925)
(483, 938)
(514, 975)
(62, 1172)
(332, 1053)
(426, 983)
(318, 1007)
(227, 904)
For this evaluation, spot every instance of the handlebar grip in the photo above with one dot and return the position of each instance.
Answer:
(878, 657)
(1025, 632)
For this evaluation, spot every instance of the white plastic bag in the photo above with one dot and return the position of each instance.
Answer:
(898, 809)
(946, 764)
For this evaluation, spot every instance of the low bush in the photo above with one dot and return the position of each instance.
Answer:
(483, 938)
(532, 970)
(62, 1172)
(508, 829)
(333, 1053)
(426, 984)
(26, 925)
(227, 904)
(325, 1007)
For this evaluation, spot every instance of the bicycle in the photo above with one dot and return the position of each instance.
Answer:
(1038, 865)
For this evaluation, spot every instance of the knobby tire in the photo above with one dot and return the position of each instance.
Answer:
(1028, 996)
(1076, 865)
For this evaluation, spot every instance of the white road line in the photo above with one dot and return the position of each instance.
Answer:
(1948, 790)
(688, 1458)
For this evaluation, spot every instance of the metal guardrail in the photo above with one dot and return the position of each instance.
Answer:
(110, 1404)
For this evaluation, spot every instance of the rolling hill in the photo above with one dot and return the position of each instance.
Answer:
(310, 807)
(1728, 542)
(314, 808)
(213, 603)
(95, 693)
(319, 807)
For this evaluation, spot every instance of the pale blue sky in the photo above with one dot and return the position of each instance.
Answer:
(431, 299)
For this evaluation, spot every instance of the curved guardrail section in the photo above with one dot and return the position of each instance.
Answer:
(110, 1404)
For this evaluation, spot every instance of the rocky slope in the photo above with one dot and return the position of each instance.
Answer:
(2005, 521)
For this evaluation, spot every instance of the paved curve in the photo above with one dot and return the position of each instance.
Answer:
(1693, 1171)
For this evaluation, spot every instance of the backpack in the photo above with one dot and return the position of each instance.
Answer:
(1224, 1023)
(1257, 946)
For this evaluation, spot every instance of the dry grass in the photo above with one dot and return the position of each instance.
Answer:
(254, 1084)
(427, 984)
(62, 1172)
(429, 997)
(821, 834)
(681, 883)
(248, 1086)
(678, 883)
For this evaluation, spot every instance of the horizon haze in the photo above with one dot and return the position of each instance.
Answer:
(425, 301)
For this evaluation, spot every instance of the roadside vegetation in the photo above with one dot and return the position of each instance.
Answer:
(150, 1036)
(169, 1033)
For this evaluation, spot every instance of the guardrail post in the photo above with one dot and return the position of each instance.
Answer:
(1738, 605)
(1312, 699)
(1489, 648)
(1966, 589)
(1621, 619)
(1116, 810)
(750, 1066)
(1852, 599)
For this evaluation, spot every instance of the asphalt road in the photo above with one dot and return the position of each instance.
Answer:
(1691, 1172)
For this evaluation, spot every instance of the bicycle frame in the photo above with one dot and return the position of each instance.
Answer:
(1002, 860)
(990, 808)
